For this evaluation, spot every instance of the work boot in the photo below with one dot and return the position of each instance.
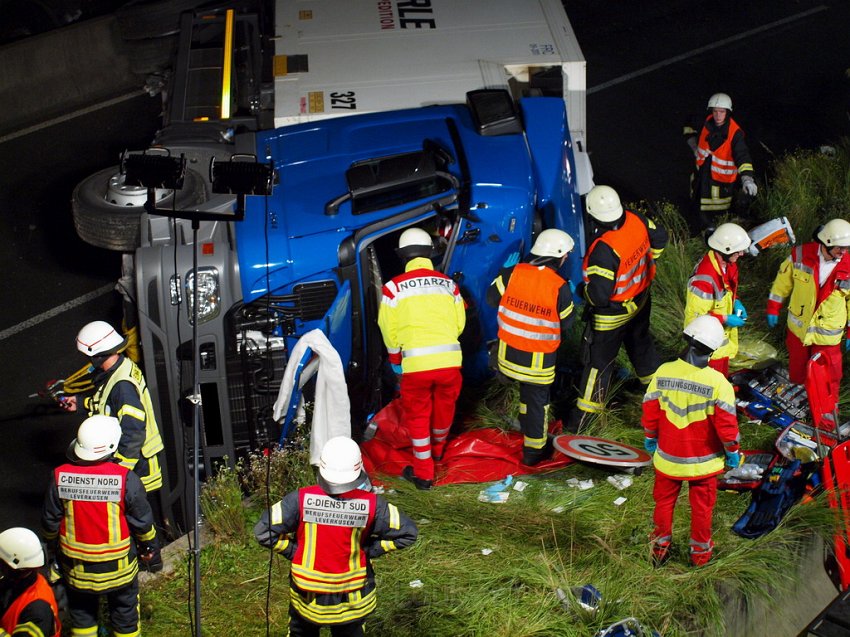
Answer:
(422, 485)
(577, 421)
(660, 552)
(532, 457)
(701, 554)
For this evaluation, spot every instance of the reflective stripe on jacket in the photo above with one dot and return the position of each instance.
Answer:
(422, 314)
(713, 291)
(39, 590)
(94, 528)
(636, 265)
(723, 168)
(94, 509)
(333, 555)
(348, 519)
(134, 420)
(691, 412)
(817, 315)
(528, 311)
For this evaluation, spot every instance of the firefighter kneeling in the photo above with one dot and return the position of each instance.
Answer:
(330, 532)
(690, 425)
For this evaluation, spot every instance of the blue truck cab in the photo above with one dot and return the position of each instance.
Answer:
(464, 119)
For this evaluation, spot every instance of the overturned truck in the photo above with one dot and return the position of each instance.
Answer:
(466, 119)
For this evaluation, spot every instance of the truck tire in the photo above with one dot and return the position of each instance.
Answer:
(138, 20)
(103, 222)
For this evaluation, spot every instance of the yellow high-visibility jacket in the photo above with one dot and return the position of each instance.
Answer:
(422, 314)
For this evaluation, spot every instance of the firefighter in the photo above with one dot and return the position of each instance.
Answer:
(535, 311)
(815, 281)
(618, 268)
(721, 155)
(98, 520)
(421, 317)
(713, 289)
(27, 604)
(121, 391)
(330, 532)
(691, 428)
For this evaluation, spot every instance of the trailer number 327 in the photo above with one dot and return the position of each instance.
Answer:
(345, 100)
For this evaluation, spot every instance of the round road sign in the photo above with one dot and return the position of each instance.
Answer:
(601, 451)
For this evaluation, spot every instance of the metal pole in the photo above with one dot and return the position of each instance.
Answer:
(196, 429)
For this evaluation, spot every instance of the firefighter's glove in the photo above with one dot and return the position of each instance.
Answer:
(733, 320)
(54, 573)
(847, 345)
(650, 444)
(733, 459)
(772, 320)
(150, 558)
(396, 369)
(512, 260)
(739, 309)
(749, 185)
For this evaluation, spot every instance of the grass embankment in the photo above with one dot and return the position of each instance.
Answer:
(549, 536)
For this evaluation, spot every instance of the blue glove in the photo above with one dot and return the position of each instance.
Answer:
(847, 345)
(733, 459)
(650, 444)
(396, 369)
(772, 320)
(572, 287)
(733, 320)
(512, 260)
(739, 309)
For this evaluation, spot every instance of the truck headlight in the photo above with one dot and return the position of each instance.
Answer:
(209, 296)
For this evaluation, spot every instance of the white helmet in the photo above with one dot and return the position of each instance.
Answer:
(414, 237)
(552, 243)
(707, 330)
(835, 232)
(97, 438)
(21, 548)
(720, 100)
(603, 204)
(340, 465)
(99, 337)
(729, 238)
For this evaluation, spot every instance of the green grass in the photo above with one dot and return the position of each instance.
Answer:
(550, 536)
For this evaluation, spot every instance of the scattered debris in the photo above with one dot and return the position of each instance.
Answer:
(620, 481)
(582, 485)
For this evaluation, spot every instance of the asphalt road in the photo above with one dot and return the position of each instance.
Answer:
(651, 66)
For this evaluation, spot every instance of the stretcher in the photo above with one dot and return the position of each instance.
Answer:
(835, 472)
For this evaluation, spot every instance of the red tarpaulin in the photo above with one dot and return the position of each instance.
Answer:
(477, 455)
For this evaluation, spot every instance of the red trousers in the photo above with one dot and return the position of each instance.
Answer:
(428, 403)
(799, 355)
(702, 494)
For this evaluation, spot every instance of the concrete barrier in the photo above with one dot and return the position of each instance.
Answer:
(51, 74)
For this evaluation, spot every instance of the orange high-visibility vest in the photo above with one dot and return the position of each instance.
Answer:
(630, 242)
(723, 168)
(40, 590)
(528, 311)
